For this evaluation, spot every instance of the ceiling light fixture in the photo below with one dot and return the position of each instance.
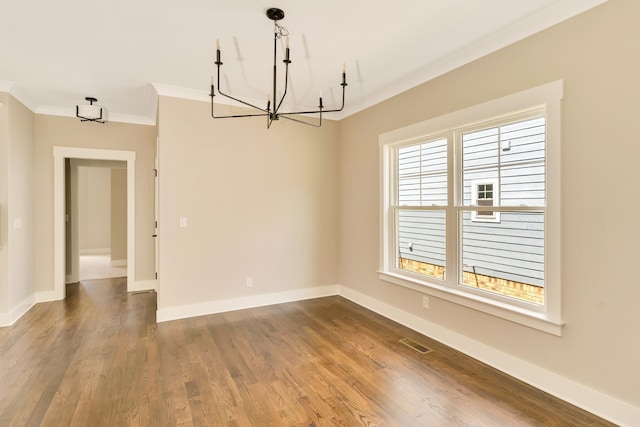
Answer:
(272, 111)
(89, 113)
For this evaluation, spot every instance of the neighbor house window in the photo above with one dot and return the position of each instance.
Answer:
(484, 193)
(469, 200)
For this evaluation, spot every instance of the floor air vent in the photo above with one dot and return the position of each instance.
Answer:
(416, 346)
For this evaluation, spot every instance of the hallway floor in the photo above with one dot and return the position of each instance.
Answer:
(98, 267)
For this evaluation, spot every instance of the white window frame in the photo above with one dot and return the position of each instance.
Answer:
(546, 317)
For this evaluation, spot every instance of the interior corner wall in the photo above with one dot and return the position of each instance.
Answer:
(258, 204)
(16, 209)
(596, 55)
(4, 221)
(53, 131)
(21, 203)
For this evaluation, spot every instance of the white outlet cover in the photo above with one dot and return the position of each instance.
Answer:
(183, 222)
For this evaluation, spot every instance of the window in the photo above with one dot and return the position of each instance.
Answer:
(468, 203)
(483, 196)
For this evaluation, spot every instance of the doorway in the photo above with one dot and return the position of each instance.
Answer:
(61, 154)
(96, 219)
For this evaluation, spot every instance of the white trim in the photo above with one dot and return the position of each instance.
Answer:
(181, 92)
(143, 285)
(11, 317)
(495, 308)
(221, 306)
(589, 399)
(59, 155)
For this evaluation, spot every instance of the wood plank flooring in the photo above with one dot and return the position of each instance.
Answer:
(99, 359)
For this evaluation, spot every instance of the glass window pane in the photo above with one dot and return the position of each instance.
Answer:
(421, 242)
(523, 185)
(422, 174)
(506, 258)
(523, 141)
(480, 148)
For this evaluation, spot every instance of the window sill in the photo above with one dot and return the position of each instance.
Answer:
(518, 315)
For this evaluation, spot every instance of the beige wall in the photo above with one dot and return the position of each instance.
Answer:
(259, 203)
(16, 211)
(70, 132)
(4, 222)
(94, 209)
(118, 214)
(596, 55)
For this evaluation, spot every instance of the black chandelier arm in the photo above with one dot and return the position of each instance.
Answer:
(212, 94)
(322, 110)
(319, 124)
(266, 112)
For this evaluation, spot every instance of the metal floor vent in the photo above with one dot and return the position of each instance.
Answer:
(415, 345)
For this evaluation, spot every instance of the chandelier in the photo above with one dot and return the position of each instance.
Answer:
(91, 112)
(272, 111)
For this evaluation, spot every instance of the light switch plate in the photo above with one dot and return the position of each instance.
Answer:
(183, 222)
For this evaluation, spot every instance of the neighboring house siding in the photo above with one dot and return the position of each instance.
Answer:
(512, 249)
(510, 245)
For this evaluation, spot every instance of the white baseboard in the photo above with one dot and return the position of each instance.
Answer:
(221, 306)
(11, 317)
(142, 285)
(118, 262)
(71, 278)
(594, 401)
(95, 251)
(46, 296)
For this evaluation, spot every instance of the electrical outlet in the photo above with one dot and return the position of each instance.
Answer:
(425, 302)
(249, 282)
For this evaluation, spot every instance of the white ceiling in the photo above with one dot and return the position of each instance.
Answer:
(55, 53)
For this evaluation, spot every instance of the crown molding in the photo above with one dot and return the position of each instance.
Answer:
(519, 30)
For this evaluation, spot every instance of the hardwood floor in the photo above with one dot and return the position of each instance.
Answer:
(99, 359)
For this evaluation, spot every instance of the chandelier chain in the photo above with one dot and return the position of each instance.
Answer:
(280, 31)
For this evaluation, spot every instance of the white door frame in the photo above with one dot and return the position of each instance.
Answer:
(59, 256)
